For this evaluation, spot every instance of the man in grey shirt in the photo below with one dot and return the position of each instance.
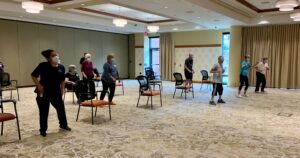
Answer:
(217, 80)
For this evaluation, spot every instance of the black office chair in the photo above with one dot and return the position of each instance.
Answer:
(145, 90)
(86, 92)
(4, 81)
(153, 80)
(205, 79)
(179, 84)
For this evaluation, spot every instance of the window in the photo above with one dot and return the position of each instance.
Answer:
(225, 54)
(155, 55)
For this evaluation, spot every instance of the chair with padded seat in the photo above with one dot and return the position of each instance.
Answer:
(11, 85)
(205, 79)
(146, 90)
(7, 116)
(70, 91)
(86, 92)
(120, 83)
(179, 84)
(153, 80)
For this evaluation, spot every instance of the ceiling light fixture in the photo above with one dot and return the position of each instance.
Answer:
(119, 22)
(153, 28)
(175, 29)
(296, 16)
(263, 22)
(32, 6)
(166, 7)
(286, 5)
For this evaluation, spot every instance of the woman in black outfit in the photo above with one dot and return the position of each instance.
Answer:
(49, 78)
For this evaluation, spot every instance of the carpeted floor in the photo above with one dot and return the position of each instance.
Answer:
(246, 127)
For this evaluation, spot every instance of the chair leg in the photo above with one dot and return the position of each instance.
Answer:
(193, 92)
(92, 115)
(201, 86)
(181, 92)
(160, 100)
(17, 121)
(123, 89)
(147, 100)
(10, 94)
(109, 108)
(2, 126)
(185, 94)
(174, 93)
(78, 113)
(18, 94)
(96, 111)
(73, 97)
(137, 105)
(151, 103)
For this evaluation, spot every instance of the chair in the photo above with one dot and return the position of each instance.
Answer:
(98, 77)
(71, 91)
(7, 116)
(85, 89)
(145, 90)
(205, 79)
(120, 84)
(179, 85)
(11, 84)
(153, 80)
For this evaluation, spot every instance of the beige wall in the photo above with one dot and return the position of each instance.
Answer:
(21, 44)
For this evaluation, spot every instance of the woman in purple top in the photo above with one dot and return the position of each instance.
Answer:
(87, 67)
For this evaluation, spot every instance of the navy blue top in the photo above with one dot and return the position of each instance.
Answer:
(108, 71)
(50, 77)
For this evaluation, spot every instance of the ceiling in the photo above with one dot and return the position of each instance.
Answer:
(170, 15)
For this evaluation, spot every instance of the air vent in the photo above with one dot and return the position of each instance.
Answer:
(190, 11)
(265, 2)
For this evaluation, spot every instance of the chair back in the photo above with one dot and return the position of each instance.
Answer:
(144, 83)
(96, 72)
(4, 79)
(149, 73)
(85, 89)
(204, 74)
(178, 78)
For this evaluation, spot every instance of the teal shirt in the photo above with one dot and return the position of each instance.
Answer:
(245, 68)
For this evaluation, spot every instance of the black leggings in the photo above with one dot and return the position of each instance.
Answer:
(260, 79)
(111, 86)
(244, 80)
(217, 88)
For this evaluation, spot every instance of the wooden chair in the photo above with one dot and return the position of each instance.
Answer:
(145, 90)
(87, 94)
(179, 85)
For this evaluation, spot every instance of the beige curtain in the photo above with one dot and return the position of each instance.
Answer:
(281, 45)
(166, 56)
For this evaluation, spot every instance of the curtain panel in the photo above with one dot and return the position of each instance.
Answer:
(281, 45)
(166, 56)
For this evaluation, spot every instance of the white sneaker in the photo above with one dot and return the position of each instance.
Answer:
(239, 96)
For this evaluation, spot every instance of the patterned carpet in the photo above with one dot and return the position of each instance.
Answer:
(246, 127)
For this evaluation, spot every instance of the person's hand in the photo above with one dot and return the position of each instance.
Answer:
(113, 79)
(84, 76)
(220, 71)
(40, 89)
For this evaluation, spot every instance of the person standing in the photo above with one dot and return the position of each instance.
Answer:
(217, 80)
(109, 77)
(188, 69)
(1, 67)
(244, 76)
(87, 68)
(261, 70)
(49, 78)
(82, 59)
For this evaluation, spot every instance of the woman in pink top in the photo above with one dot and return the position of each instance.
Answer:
(87, 67)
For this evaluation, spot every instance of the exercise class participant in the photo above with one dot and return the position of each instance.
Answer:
(244, 76)
(87, 68)
(261, 70)
(188, 69)
(217, 80)
(71, 77)
(49, 78)
(109, 77)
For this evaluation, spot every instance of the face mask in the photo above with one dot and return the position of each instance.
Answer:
(56, 59)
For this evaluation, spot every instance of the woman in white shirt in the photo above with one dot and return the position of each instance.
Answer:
(261, 70)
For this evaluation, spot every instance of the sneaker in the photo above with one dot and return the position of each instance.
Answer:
(221, 101)
(43, 134)
(67, 128)
(212, 103)
(239, 96)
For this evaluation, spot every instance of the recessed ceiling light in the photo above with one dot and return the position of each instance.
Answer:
(197, 27)
(198, 17)
(166, 7)
(82, 4)
(21, 16)
(263, 22)
(175, 29)
(58, 8)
